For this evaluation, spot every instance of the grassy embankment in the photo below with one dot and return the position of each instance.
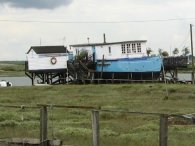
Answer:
(12, 68)
(119, 129)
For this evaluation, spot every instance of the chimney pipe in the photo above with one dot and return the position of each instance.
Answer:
(104, 38)
(88, 40)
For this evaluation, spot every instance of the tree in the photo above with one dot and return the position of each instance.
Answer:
(148, 51)
(185, 51)
(176, 51)
(165, 54)
(83, 54)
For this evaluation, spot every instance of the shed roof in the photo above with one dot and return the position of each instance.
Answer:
(112, 43)
(48, 49)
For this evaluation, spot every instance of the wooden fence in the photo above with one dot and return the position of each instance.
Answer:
(95, 111)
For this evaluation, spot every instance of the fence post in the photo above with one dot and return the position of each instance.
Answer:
(163, 135)
(95, 128)
(43, 126)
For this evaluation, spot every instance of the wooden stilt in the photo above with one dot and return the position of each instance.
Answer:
(176, 73)
(102, 66)
(131, 76)
(44, 78)
(92, 78)
(33, 78)
(113, 77)
(152, 76)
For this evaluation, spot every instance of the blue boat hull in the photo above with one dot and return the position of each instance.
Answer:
(133, 65)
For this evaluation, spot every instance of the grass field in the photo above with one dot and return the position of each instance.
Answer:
(119, 129)
(12, 68)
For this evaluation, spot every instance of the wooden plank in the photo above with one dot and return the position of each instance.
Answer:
(163, 135)
(95, 128)
(43, 126)
(68, 106)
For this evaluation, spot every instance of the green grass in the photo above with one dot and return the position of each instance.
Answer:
(74, 126)
(12, 68)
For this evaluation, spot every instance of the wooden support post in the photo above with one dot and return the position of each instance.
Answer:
(128, 76)
(76, 76)
(33, 79)
(48, 78)
(43, 126)
(192, 51)
(112, 77)
(66, 76)
(176, 73)
(131, 77)
(92, 78)
(163, 135)
(102, 66)
(44, 78)
(95, 127)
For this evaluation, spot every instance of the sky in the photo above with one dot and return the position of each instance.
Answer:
(25, 23)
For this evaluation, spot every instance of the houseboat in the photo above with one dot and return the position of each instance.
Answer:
(113, 62)
(121, 60)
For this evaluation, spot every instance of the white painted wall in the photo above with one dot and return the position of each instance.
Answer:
(116, 51)
(44, 63)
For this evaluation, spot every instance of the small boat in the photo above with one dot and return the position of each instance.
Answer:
(4, 83)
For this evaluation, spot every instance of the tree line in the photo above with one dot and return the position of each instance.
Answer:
(185, 51)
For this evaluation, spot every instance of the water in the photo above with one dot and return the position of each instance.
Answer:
(25, 81)
(185, 76)
(18, 81)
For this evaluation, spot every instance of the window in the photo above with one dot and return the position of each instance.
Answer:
(123, 49)
(128, 48)
(139, 47)
(109, 50)
(133, 48)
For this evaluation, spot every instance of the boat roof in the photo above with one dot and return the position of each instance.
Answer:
(112, 43)
(48, 49)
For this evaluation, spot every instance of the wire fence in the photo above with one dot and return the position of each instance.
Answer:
(56, 125)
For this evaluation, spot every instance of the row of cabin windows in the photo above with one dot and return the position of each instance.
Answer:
(131, 48)
(126, 48)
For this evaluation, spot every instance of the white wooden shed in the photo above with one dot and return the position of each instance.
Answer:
(46, 58)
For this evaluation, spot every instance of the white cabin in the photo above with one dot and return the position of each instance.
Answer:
(113, 51)
(47, 58)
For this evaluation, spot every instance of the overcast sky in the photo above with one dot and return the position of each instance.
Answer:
(17, 36)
